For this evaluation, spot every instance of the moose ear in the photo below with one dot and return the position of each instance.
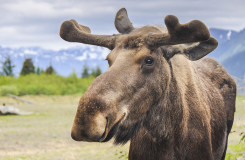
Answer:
(197, 51)
(122, 22)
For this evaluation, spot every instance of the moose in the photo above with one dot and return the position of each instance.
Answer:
(159, 92)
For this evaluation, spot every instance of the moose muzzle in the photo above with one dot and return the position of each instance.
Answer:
(95, 121)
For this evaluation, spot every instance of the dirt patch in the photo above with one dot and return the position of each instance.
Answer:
(45, 135)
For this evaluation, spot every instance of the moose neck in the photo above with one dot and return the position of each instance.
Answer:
(163, 126)
(165, 116)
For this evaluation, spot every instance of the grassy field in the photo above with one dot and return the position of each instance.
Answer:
(45, 135)
(44, 84)
(236, 148)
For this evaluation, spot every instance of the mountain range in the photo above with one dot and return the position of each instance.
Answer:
(230, 53)
(64, 61)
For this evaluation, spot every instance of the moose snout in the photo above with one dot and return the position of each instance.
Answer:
(96, 115)
(90, 129)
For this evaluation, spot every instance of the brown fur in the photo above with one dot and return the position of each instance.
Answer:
(173, 108)
(199, 110)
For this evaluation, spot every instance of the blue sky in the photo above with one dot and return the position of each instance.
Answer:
(37, 22)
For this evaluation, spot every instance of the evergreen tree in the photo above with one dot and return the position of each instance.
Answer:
(38, 71)
(50, 70)
(1, 73)
(85, 71)
(7, 67)
(96, 72)
(93, 73)
(27, 67)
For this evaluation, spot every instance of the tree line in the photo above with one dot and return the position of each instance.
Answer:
(29, 68)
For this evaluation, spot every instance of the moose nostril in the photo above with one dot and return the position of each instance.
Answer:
(105, 132)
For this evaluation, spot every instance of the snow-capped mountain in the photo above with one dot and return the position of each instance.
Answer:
(230, 51)
(231, 54)
(222, 35)
(64, 61)
(230, 43)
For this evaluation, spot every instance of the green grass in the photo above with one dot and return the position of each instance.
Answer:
(236, 151)
(43, 85)
(230, 156)
(236, 147)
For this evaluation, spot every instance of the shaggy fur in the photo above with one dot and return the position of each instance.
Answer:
(167, 104)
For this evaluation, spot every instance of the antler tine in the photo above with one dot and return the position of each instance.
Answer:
(73, 32)
(194, 31)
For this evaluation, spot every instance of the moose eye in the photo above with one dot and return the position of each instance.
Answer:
(149, 61)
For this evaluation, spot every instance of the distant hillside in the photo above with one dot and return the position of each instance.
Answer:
(235, 65)
(229, 46)
(231, 52)
(222, 35)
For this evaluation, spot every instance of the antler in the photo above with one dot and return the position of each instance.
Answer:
(73, 32)
(194, 31)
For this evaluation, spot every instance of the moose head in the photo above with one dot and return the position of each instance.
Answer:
(121, 100)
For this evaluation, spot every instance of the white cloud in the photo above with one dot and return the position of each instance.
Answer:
(83, 57)
(92, 55)
(37, 22)
(30, 52)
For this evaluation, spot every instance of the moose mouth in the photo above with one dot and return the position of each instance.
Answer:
(109, 133)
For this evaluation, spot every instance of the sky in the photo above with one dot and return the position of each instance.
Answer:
(36, 22)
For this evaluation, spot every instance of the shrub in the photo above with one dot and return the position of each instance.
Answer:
(8, 89)
(46, 84)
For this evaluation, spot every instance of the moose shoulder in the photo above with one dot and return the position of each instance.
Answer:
(158, 92)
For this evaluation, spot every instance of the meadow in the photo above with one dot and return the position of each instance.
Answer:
(43, 84)
(45, 135)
